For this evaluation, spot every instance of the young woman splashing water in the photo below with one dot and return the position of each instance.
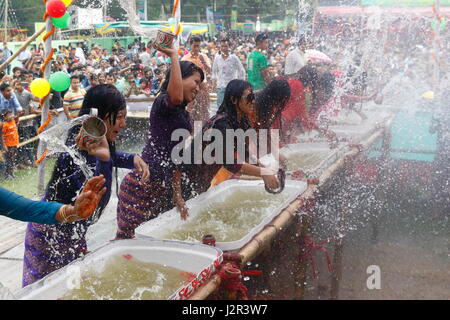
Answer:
(235, 112)
(48, 248)
(141, 202)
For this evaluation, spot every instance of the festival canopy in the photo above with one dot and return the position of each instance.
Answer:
(400, 11)
(194, 28)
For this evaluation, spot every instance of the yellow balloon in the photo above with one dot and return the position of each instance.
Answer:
(67, 2)
(428, 95)
(40, 88)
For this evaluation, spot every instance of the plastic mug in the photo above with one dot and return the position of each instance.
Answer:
(164, 39)
(281, 178)
(93, 130)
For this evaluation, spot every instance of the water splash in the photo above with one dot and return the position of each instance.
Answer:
(56, 137)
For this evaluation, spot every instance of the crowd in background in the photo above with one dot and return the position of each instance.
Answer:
(138, 71)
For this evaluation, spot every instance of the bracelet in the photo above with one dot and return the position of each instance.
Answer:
(63, 214)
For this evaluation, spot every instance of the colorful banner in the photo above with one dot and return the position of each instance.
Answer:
(233, 19)
(410, 3)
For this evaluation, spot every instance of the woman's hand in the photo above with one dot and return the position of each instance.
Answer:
(270, 178)
(170, 52)
(98, 149)
(142, 168)
(90, 197)
(271, 182)
(86, 202)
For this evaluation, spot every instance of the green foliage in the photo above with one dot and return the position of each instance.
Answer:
(30, 11)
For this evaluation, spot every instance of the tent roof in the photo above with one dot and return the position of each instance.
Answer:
(358, 10)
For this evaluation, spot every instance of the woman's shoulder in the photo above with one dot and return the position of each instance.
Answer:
(219, 121)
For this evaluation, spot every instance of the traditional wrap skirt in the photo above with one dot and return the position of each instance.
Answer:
(51, 247)
(139, 203)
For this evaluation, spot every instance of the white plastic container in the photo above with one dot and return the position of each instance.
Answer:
(327, 156)
(170, 221)
(199, 259)
(355, 133)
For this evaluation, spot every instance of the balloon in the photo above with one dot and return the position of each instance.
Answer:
(62, 22)
(60, 81)
(429, 95)
(40, 88)
(56, 8)
(67, 2)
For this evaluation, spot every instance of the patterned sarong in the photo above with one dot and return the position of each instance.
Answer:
(51, 247)
(139, 203)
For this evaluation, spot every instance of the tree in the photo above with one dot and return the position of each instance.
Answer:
(28, 12)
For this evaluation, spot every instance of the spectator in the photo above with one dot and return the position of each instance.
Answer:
(8, 100)
(226, 67)
(143, 87)
(199, 108)
(258, 68)
(23, 57)
(145, 57)
(129, 54)
(26, 127)
(17, 72)
(10, 138)
(296, 59)
(157, 82)
(73, 99)
(6, 55)
(130, 87)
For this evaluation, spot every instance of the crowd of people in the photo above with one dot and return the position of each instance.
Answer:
(138, 71)
(261, 82)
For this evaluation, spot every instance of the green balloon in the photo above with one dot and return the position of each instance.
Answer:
(60, 81)
(62, 22)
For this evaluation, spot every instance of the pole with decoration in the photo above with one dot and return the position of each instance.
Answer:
(176, 15)
(55, 16)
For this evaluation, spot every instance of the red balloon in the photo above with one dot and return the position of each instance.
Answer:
(56, 8)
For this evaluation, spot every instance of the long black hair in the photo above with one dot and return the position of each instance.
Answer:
(317, 82)
(108, 101)
(271, 101)
(187, 69)
(233, 91)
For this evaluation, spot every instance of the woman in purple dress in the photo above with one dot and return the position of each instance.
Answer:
(141, 202)
(48, 248)
(172, 184)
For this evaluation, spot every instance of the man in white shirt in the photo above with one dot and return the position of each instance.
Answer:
(23, 57)
(296, 59)
(145, 57)
(226, 67)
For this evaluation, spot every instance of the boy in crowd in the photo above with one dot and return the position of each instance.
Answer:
(10, 137)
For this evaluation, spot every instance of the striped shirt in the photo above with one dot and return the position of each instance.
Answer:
(74, 99)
